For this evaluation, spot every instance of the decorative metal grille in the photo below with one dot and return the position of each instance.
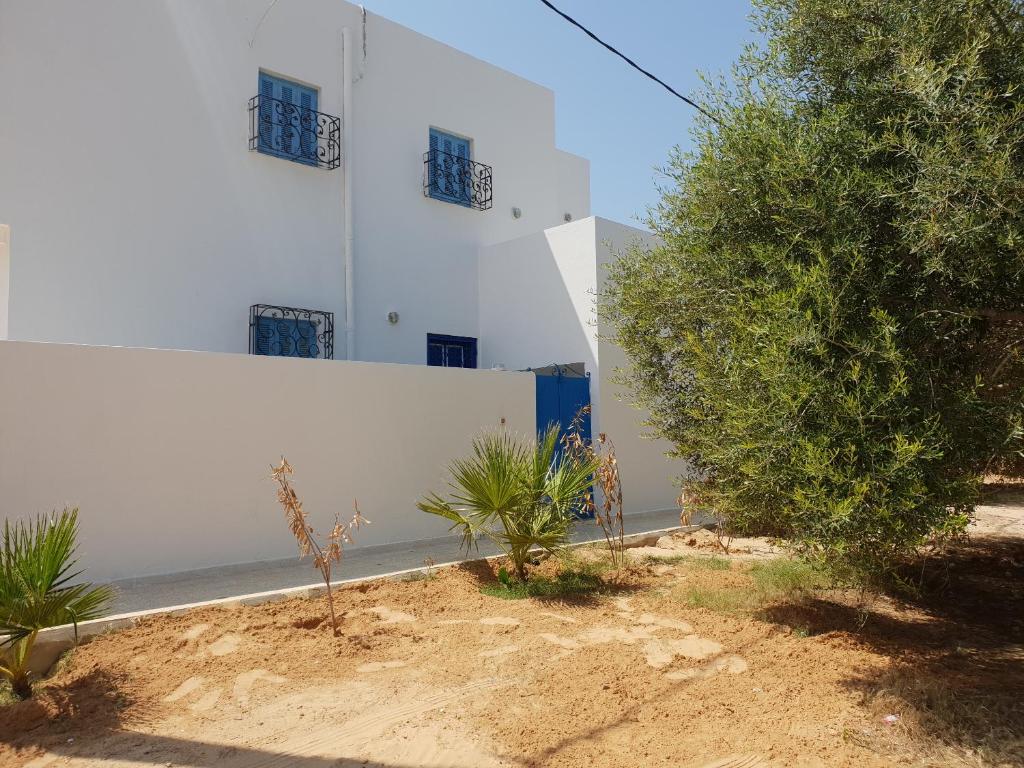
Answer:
(286, 130)
(457, 179)
(290, 332)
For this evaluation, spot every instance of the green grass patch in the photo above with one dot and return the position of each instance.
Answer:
(566, 584)
(772, 581)
(669, 560)
(571, 560)
(723, 599)
(783, 578)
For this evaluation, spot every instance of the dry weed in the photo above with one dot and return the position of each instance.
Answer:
(324, 557)
(947, 725)
(609, 514)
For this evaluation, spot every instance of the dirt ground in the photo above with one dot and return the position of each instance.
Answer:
(431, 672)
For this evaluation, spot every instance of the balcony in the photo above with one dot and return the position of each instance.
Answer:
(290, 332)
(285, 130)
(457, 179)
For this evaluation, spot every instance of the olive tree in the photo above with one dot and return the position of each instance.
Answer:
(831, 330)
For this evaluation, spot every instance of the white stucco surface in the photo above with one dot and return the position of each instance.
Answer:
(140, 217)
(537, 299)
(544, 288)
(167, 454)
(649, 477)
(5, 277)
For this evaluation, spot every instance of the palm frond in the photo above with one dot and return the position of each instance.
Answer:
(519, 495)
(36, 568)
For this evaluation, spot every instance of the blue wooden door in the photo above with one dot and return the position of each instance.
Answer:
(560, 398)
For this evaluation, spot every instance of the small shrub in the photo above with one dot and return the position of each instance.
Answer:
(519, 496)
(425, 575)
(609, 514)
(36, 591)
(324, 557)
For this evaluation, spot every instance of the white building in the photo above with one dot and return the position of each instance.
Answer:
(167, 165)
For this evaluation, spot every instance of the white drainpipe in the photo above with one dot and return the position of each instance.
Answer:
(346, 158)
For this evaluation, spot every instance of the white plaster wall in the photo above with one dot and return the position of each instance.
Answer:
(168, 453)
(5, 276)
(537, 299)
(573, 196)
(649, 477)
(142, 218)
(538, 306)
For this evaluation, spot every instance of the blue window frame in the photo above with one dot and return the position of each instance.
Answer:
(287, 120)
(286, 337)
(450, 169)
(451, 351)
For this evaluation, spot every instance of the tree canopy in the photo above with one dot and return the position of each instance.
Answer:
(831, 331)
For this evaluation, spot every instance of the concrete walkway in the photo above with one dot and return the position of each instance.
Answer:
(153, 592)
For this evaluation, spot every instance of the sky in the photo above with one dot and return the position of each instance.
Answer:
(605, 110)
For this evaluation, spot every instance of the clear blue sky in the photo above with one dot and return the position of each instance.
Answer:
(606, 111)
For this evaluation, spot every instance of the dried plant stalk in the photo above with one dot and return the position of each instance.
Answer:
(324, 557)
(609, 514)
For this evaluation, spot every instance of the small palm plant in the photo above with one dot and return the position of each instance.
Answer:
(35, 590)
(520, 496)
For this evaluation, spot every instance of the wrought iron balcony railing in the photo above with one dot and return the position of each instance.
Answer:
(290, 332)
(457, 179)
(283, 129)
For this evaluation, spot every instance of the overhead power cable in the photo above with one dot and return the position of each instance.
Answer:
(629, 61)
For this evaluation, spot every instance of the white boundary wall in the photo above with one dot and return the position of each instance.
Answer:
(168, 453)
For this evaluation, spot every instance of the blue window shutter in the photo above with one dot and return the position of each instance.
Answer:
(267, 106)
(451, 351)
(454, 356)
(435, 177)
(460, 148)
(265, 333)
(290, 127)
(288, 124)
(435, 354)
(286, 337)
(307, 120)
(450, 171)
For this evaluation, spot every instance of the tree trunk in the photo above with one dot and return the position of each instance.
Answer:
(21, 685)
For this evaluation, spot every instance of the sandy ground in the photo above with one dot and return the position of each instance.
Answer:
(434, 673)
